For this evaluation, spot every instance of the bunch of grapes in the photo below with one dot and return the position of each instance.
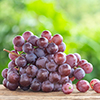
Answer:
(40, 64)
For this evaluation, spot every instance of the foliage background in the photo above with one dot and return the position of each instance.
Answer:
(78, 21)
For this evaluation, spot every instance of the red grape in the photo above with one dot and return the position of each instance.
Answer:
(82, 85)
(96, 87)
(61, 47)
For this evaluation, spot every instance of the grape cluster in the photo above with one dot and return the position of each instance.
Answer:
(40, 64)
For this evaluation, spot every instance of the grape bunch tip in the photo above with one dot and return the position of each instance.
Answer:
(40, 64)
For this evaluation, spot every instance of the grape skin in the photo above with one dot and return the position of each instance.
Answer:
(4, 73)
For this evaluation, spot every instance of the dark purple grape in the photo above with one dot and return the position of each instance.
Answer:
(25, 88)
(47, 86)
(52, 48)
(18, 41)
(12, 56)
(61, 47)
(18, 48)
(13, 77)
(50, 57)
(51, 66)
(5, 82)
(31, 58)
(35, 85)
(26, 35)
(82, 85)
(20, 61)
(22, 70)
(87, 67)
(64, 69)
(41, 62)
(64, 79)
(12, 86)
(46, 34)
(31, 70)
(27, 47)
(42, 42)
(39, 52)
(79, 73)
(60, 58)
(71, 73)
(57, 87)
(12, 70)
(71, 60)
(25, 80)
(4, 73)
(42, 75)
(57, 39)
(11, 64)
(33, 39)
(54, 77)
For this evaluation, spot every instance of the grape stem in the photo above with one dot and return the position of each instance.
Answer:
(12, 53)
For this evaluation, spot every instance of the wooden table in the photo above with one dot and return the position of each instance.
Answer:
(6, 94)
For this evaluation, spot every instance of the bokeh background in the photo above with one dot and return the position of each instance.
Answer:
(78, 21)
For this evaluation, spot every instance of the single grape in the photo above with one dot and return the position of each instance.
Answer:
(5, 82)
(35, 85)
(51, 66)
(82, 85)
(25, 88)
(12, 56)
(39, 52)
(22, 70)
(67, 88)
(20, 61)
(4, 73)
(79, 73)
(71, 73)
(78, 57)
(52, 48)
(83, 61)
(87, 67)
(18, 41)
(26, 35)
(25, 80)
(42, 42)
(13, 77)
(18, 48)
(92, 82)
(41, 62)
(33, 39)
(64, 69)
(72, 78)
(11, 64)
(42, 75)
(71, 60)
(14, 70)
(54, 77)
(27, 47)
(64, 79)
(50, 57)
(57, 39)
(31, 58)
(61, 47)
(46, 34)
(60, 58)
(96, 87)
(31, 70)
(47, 86)
(57, 87)
(12, 86)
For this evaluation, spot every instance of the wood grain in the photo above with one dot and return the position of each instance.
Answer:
(6, 94)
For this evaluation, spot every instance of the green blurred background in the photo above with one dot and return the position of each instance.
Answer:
(78, 21)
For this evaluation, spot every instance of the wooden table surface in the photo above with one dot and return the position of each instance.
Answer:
(6, 94)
